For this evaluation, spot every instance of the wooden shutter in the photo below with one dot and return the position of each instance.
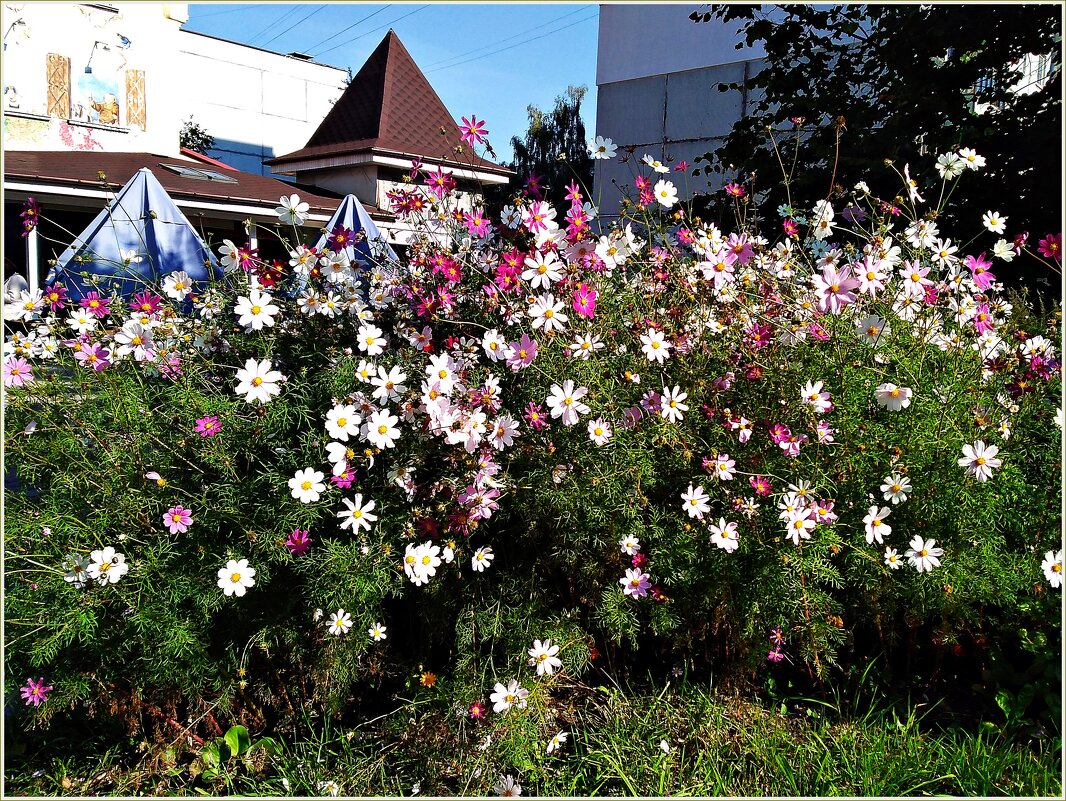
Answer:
(135, 110)
(58, 85)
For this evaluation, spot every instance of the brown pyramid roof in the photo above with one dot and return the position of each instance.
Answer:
(389, 106)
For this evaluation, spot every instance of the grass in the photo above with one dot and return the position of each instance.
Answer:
(681, 740)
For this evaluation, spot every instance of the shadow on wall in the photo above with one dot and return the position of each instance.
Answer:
(245, 156)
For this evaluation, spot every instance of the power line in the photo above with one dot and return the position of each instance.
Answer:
(241, 7)
(511, 47)
(300, 21)
(494, 44)
(360, 36)
(270, 25)
(358, 22)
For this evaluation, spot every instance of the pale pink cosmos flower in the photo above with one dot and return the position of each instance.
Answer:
(980, 460)
(17, 372)
(635, 583)
(835, 288)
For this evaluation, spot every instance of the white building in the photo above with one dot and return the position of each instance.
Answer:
(124, 78)
(657, 73)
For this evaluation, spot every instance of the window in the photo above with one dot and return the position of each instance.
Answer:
(198, 174)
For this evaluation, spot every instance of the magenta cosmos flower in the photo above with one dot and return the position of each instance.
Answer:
(585, 300)
(473, 130)
(208, 426)
(35, 692)
(1051, 247)
(178, 519)
(299, 542)
(17, 372)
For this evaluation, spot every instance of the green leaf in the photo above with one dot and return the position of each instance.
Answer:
(238, 740)
(212, 754)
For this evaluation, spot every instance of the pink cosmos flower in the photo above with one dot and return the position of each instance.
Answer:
(825, 433)
(477, 710)
(761, 485)
(681, 166)
(790, 228)
(735, 190)
(534, 415)
(208, 426)
(835, 288)
(473, 130)
(94, 357)
(1051, 247)
(775, 656)
(779, 433)
(299, 542)
(96, 306)
(344, 479)
(791, 444)
(982, 319)
(635, 583)
(522, 353)
(177, 519)
(56, 296)
(145, 302)
(980, 268)
(17, 372)
(35, 692)
(585, 300)
(440, 183)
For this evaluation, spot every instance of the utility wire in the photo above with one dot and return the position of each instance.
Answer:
(270, 25)
(300, 21)
(360, 36)
(511, 47)
(358, 22)
(502, 41)
(241, 7)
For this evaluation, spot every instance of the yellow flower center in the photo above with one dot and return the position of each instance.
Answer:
(306, 485)
(234, 577)
(382, 429)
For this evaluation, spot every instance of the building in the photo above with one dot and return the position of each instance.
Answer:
(657, 73)
(388, 118)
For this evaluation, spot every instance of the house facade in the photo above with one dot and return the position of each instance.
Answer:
(657, 73)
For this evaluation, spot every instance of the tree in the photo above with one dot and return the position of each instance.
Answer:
(901, 82)
(554, 150)
(195, 138)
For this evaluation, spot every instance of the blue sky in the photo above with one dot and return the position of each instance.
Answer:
(489, 59)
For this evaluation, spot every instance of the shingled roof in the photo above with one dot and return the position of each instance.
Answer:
(391, 108)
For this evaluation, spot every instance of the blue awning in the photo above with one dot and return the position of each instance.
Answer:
(371, 249)
(139, 239)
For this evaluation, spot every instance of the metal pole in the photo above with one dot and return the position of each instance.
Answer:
(33, 270)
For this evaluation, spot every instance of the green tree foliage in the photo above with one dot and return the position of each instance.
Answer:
(194, 137)
(894, 81)
(550, 135)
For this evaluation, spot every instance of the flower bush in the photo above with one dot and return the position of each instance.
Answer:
(528, 443)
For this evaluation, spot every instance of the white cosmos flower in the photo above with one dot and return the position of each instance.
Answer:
(724, 535)
(557, 742)
(481, 559)
(599, 431)
(547, 314)
(543, 657)
(694, 501)
(377, 632)
(980, 460)
(892, 558)
(994, 222)
(357, 516)
(177, 285)
(602, 148)
(307, 485)
(258, 381)
(506, 697)
(892, 397)
(895, 488)
(565, 402)
(340, 622)
(1052, 567)
(876, 528)
(292, 210)
(630, 545)
(107, 566)
(923, 554)
(655, 346)
(256, 311)
(655, 164)
(76, 570)
(665, 193)
(542, 270)
(671, 406)
(342, 422)
(389, 386)
(236, 577)
(381, 429)
(371, 340)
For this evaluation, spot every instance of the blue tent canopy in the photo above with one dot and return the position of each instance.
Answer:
(139, 239)
(370, 249)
